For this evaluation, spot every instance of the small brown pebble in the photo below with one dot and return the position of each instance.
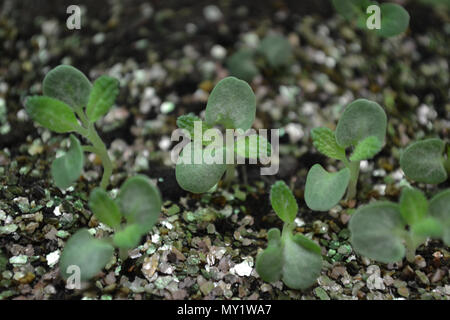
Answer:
(403, 291)
(407, 272)
(437, 276)
(29, 277)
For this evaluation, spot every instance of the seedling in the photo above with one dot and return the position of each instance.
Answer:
(394, 18)
(294, 259)
(68, 94)
(232, 105)
(424, 161)
(138, 204)
(386, 231)
(361, 127)
(273, 52)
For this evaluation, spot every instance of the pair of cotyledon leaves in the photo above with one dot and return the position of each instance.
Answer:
(294, 259)
(275, 49)
(423, 161)
(361, 126)
(66, 91)
(394, 18)
(138, 202)
(231, 104)
(378, 230)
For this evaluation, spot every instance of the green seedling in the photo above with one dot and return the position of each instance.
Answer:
(424, 161)
(68, 94)
(273, 52)
(294, 259)
(131, 215)
(394, 19)
(361, 127)
(386, 231)
(231, 105)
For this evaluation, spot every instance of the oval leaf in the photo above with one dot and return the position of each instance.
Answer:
(394, 20)
(67, 168)
(351, 9)
(140, 202)
(301, 265)
(102, 97)
(439, 209)
(51, 114)
(428, 227)
(375, 232)
(104, 208)
(253, 147)
(241, 65)
(361, 119)
(269, 263)
(413, 205)
(283, 201)
(422, 161)
(67, 84)
(232, 104)
(323, 190)
(276, 49)
(87, 253)
(201, 177)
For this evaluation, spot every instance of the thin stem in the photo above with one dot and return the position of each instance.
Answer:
(102, 152)
(229, 175)
(89, 149)
(354, 174)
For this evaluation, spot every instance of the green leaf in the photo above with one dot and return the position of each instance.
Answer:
(252, 147)
(67, 84)
(87, 253)
(413, 205)
(302, 265)
(276, 49)
(283, 201)
(376, 232)
(351, 9)
(439, 209)
(323, 190)
(241, 65)
(102, 97)
(428, 227)
(366, 149)
(140, 202)
(325, 141)
(394, 20)
(104, 208)
(295, 259)
(200, 177)
(422, 161)
(51, 114)
(129, 237)
(361, 119)
(232, 104)
(67, 168)
(187, 122)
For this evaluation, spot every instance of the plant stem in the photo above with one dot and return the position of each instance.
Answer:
(102, 152)
(410, 249)
(354, 174)
(229, 175)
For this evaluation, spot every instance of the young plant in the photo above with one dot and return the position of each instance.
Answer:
(131, 216)
(394, 19)
(424, 161)
(361, 127)
(386, 231)
(203, 161)
(294, 259)
(68, 94)
(274, 51)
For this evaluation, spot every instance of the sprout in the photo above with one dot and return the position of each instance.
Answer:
(200, 166)
(394, 18)
(68, 94)
(386, 231)
(138, 203)
(423, 161)
(361, 127)
(274, 52)
(294, 259)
